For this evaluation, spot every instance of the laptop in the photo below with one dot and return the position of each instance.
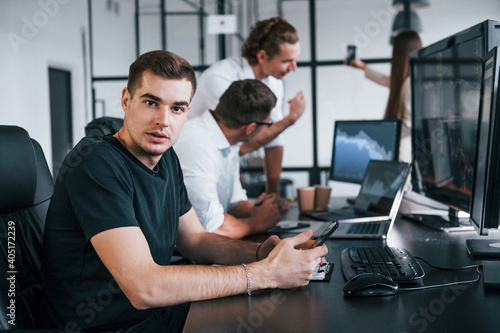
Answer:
(376, 206)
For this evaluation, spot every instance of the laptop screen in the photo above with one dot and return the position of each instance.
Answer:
(356, 142)
(382, 181)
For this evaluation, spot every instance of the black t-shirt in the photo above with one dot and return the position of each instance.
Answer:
(102, 186)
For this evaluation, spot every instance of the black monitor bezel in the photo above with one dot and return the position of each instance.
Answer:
(488, 135)
(482, 29)
(384, 122)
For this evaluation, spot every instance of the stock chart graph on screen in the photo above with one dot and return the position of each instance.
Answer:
(358, 142)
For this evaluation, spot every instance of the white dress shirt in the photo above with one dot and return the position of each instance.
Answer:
(211, 168)
(218, 77)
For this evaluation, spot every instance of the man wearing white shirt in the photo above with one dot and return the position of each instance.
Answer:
(208, 153)
(268, 55)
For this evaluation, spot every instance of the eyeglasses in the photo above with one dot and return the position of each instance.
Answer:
(263, 123)
(260, 123)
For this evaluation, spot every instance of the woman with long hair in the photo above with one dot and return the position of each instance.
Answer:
(399, 102)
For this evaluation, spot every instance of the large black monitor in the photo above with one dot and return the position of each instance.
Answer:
(485, 208)
(356, 142)
(446, 80)
(485, 203)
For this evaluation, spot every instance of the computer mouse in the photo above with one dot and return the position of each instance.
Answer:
(370, 284)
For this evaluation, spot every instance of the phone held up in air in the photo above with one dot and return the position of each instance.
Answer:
(326, 234)
(351, 54)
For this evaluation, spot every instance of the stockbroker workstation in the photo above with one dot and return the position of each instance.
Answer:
(404, 214)
(441, 286)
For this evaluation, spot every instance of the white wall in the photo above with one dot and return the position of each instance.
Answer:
(36, 34)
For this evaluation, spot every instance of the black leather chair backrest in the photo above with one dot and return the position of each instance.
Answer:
(26, 187)
(102, 126)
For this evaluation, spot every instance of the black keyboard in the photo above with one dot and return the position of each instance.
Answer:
(397, 263)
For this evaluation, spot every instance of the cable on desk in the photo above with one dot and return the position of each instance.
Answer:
(448, 268)
(477, 267)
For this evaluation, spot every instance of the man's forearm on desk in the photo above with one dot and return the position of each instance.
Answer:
(237, 227)
(201, 246)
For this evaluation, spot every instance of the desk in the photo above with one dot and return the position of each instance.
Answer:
(322, 306)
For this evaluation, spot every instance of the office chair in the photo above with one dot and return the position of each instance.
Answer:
(102, 126)
(26, 187)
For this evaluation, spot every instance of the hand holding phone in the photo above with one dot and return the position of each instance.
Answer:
(326, 234)
(351, 54)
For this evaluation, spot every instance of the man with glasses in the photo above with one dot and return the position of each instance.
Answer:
(268, 54)
(208, 150)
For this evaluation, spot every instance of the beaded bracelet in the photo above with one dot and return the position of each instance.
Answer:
(249, 284)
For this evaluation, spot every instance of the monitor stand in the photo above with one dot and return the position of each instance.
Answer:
(484, 248)
(448, 223)
(489, 251)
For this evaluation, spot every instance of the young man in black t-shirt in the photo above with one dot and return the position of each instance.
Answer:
(119, 208)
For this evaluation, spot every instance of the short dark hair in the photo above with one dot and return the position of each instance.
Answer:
(162, 63)
(244, 102)
(268, 35)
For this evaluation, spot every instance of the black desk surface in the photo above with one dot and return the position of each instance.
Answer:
(322, 306)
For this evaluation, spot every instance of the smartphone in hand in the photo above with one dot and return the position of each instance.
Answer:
(326, 234)
(351, 54)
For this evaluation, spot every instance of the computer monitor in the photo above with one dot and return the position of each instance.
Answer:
(356, 142)
(485, 210)
(485, 201)
(446, 79)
